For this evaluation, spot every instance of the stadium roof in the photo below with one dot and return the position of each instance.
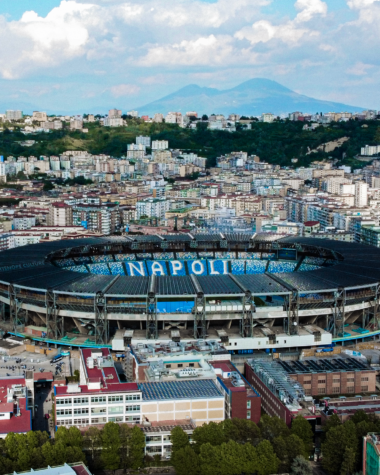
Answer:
(32, 267)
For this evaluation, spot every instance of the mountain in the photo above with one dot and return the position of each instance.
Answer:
(252, 97)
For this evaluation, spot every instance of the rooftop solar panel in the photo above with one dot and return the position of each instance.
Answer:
(165, 390)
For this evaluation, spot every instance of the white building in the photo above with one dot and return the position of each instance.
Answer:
(267, 117)
(158, 118)
(361, 194)
(160, 144)
(39, 116)
(370, 150)
(114, 114)
(13, 115)
(152, 208)
(113, 122)
(134, 114)
(141, 140)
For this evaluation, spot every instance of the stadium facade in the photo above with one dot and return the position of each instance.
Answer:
(248, 291)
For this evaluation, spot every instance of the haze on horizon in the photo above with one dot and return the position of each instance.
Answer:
(86, 55)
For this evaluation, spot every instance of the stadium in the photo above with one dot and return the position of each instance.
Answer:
(251, 292)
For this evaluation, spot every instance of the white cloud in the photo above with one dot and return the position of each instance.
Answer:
(124, 90)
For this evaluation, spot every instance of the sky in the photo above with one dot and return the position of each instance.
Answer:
(92, 55)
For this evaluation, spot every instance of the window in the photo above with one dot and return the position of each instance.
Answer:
(365, 379)
(308, 392)
(350, 389)
(168, 365)
(116, 410)
(81, 400)
(67, 422)
(248, 404)
(115, 399)
(321, 381)
(191, 365)
(98, 400)
(80, 410)
(350, 380)
(365, 389)
(133, 397)
(116, 419)
(321, 390)
(98, 410)
(132, 408)
(154, 438)
(99, 420)
(248, 414)
(81, 422)
(64, 412)
(133, 419)
(179, 365)
(63, 401)
(336, 381)
(336, 390)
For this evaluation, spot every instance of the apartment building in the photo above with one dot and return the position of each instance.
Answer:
(152, 208)
(13, 115)
(160, 144)
(60, 214)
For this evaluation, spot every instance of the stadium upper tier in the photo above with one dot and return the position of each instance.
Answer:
(125, 266)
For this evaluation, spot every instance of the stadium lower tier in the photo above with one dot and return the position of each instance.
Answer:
(250, 292)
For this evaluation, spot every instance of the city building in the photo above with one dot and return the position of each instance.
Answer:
(100, 397)
(114, 114)
(15, 412)
(371, 454)
(160, 145)
(13, 115)
(78, 468)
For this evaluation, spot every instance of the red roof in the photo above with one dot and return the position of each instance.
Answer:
(311, 223)
(21, 423)
(46, 376)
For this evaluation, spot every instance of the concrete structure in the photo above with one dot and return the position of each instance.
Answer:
(78, 468)
(100, 397)
(281, 396)
(371, 454)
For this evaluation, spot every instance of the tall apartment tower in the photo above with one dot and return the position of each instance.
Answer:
(361, 194)
(114, 114)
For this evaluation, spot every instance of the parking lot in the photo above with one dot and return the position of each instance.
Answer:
(18, 365)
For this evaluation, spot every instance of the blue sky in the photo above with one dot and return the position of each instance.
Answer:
(90, 55)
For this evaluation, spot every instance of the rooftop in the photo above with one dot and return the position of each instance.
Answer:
(13, 400)
(193, 389)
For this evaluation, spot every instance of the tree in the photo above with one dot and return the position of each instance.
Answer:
(301, 466)
(125, 437)
(92, 440)
(272, 427)
(348, 464)
(185, 461)
(302, 428)
(179, 439)
(267, 462)
(204, 117)
(71, 437)
(332, 421)
(137, 445)
(241, 431)
(110, 441)
(211, 433)
(287, 449)
(48, 186)
(337, 440)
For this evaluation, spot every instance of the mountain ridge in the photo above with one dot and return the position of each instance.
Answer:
(252, 97)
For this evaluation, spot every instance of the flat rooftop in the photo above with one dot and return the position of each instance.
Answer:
(21, 423)
(170, 390)
(231, 378)
(324, 365)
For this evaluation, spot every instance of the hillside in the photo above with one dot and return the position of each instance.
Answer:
(252, 97)
(278, 142)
